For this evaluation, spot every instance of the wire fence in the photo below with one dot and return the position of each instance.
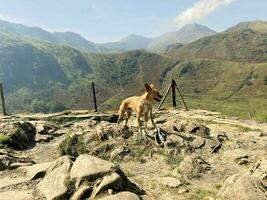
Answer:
(197, 92)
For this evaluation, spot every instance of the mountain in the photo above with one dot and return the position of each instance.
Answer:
(186, 34)
(41, 76)
(131, 42)
(244, 42)
(226, 71)
(63, 38)
(38, 75)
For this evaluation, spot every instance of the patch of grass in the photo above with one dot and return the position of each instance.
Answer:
(246, 129)
(3, 139)
(201, 194)
(262, 118)
(70, 184)
(72, 146)
(173, 160)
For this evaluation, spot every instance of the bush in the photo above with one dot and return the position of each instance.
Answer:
(38, 106)
(4, 139)
(56, 106)
(72, 146)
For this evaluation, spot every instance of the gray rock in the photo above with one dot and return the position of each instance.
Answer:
(9, 161)
(170, 182)
(212, 145)
(198, 142)
(260, 170)
(122, 196)
(37, 170)
(90, 168)
(246, 187)
(46, 128)
(113, 181)
(22, 135)
(55, 183)
(203, 131)
(119, 152)
(78, 195)
(17, 195)
(194, 166)
(43, 138)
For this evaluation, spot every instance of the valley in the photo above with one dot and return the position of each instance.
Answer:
(223, 72)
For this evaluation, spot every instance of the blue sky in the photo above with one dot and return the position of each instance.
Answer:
(110, 20)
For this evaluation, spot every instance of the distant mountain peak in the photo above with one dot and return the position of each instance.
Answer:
(186, 34)
(197, 27)
(133, 37)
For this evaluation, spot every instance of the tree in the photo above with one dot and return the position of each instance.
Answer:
(38, 106)
(56, 106)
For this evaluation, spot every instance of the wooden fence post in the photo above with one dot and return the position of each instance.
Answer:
(186, 108)
(165, 95)
(93, 87)
(3, 99)
(173, 94)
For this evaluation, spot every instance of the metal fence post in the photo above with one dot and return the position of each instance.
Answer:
(95, 104)
(3, 99)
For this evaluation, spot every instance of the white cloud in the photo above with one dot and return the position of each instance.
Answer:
(199, 10)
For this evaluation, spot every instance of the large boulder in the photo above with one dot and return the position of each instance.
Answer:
(251, 185)
(17, 195)
(260, 170)
(113, 182)
(90, 168)
(174, 144)
(56, 182)
(101, 174)
(246, 187)
(9, 161)
(122, 196)
(193, 166)
(21, 135)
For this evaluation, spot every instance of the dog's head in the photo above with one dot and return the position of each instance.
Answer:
(153, 92)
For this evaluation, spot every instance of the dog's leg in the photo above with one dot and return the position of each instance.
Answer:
(151, 118)
(129, 113)
(122, 110)
(146, 119)
(139, 122)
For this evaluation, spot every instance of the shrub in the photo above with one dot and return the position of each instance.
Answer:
(72, 146)
(56, 106)
(38, 106)
(4, 139)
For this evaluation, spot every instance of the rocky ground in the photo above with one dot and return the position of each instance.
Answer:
(80, 155)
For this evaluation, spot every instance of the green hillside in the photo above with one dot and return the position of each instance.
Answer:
(42, 77)
(244, 43)
(226, 72)
(233, 88)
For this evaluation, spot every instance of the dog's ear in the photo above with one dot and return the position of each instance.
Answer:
(148, 88)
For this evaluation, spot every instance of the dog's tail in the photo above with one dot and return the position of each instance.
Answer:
(122, 110)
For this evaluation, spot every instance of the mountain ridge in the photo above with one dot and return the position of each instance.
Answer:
(186, 34)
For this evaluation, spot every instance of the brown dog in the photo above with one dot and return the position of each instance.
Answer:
(141, 105)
